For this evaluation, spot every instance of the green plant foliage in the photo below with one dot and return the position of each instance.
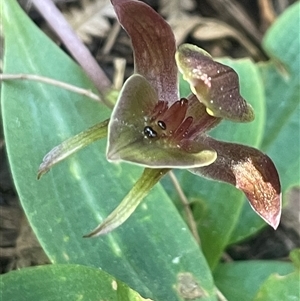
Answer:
(278, 287)
(295, 258)
(64, 282)
(153, 252)
(281, 79)
(282, 42)
(242, 280)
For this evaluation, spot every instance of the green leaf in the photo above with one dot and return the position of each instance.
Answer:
(64, 282)
(248, 224)
(154, 247)
(282, 92)
(241, 280)
(295, 258)
(277, 287)
(220, 203)
(184, 87)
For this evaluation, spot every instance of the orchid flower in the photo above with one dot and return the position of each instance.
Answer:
(153, 127)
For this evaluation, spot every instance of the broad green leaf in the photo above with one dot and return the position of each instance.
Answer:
(282, 42)
(295, 258)
(220, 204)
(154, 248)
(282, 91)
(184, 86)
(241, 280)
(278, 287)
(248, 224)
(64, 282)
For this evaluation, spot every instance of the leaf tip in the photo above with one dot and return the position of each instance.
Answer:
(99, 230)
(42, 170)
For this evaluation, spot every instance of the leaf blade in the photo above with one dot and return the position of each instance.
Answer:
(247, 277)
(64, 282)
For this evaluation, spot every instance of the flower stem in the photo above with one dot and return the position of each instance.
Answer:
(190, 218)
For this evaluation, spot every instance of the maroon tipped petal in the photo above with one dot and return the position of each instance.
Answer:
(153, 44)
(250, 171)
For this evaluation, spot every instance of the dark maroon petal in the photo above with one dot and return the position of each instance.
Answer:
(202, 121)
(215, 85)
(250, 171)
(131, 139)
(153, 44)
(175, 115)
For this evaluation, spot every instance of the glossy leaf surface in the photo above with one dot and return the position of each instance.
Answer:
(278, 287)
(64, 282)
(241, 280)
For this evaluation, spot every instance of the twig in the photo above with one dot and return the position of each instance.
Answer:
(220, 296)
(238, 15)
(267, 13)
(120, 66)
(186, 205)
(226, 257)
(111, 38)
(50, 81)
(69, 38)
